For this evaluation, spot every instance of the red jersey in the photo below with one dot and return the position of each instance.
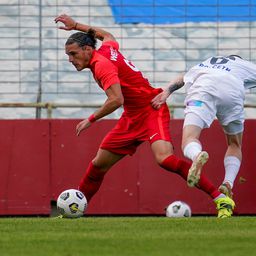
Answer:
(110, 67)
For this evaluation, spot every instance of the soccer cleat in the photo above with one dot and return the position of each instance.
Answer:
(225, 207)
(226, 189)
(196, 168)
(58, 217)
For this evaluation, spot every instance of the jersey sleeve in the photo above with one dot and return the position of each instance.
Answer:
(113, 44)
(107, 74)
(250, 80)
(252, 68)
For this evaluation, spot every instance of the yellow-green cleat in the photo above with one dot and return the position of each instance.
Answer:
(58, 217)
(225, 207)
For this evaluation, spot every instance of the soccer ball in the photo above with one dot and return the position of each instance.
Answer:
(71, 203)
(178, 209)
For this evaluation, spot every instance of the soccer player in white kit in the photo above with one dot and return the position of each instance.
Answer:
(215, 88)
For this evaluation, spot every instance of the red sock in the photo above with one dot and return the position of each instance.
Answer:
(91, 181)
(205, 185)
(174, 164)
(181, 167)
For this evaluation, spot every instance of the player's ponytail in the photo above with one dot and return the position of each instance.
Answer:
(83, 39)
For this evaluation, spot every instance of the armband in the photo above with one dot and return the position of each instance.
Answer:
(91, 118)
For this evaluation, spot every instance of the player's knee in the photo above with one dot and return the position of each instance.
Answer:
(102, 166)
(160, 158)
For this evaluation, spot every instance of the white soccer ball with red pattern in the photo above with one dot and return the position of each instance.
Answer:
(71, 203)
(178, 209)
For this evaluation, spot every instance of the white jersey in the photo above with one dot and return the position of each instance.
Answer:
(243, 70)
(216, 87)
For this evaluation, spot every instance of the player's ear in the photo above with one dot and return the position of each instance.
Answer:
(88, 48)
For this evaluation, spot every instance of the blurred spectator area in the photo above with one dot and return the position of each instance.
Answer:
(162, 38)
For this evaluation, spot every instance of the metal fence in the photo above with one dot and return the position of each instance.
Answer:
(35, 70)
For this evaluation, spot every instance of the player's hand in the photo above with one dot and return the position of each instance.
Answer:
(82, 126)
(67, 21)
(160, 99)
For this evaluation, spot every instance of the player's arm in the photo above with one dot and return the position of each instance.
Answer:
(71, 24)
(174, 85)
(114, 100)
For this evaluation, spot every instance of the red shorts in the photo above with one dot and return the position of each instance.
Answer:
(133, 129)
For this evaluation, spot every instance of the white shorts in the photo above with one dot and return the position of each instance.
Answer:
(224, 102)
(232, 128)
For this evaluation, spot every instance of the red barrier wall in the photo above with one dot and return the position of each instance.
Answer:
(41, 158)
(24, 163)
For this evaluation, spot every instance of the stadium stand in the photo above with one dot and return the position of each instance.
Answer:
(163, 38)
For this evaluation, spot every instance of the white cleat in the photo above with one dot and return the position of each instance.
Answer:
(194, 172)
(226, 189)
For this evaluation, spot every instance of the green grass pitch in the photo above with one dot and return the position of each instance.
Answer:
(158, 236)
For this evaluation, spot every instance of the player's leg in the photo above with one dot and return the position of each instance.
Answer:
(94, 175)
(230, 113)
(159, 137)
(158, 125)
(233, 157)
(163, 152)
(192, 148)
(118, 143)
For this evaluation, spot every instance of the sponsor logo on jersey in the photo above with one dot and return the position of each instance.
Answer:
(113, 54)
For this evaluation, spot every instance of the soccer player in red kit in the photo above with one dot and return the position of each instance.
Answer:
(125, 85)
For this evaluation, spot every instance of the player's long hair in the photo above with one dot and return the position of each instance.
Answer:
(83, 39)
(232, 56)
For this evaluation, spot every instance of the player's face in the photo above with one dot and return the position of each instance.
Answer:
(79, 56)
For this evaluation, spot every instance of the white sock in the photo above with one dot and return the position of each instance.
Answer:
(220, 196)
(192, 150)
(232, 165)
